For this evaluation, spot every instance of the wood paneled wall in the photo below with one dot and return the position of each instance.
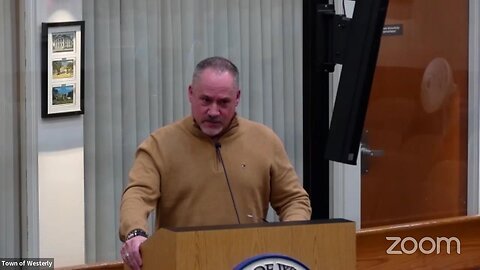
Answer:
(372, 245)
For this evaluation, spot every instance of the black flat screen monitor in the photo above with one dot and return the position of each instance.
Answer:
(360, 58)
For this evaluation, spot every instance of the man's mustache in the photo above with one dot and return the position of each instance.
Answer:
(212, 120)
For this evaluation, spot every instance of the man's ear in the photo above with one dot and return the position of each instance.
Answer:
(190, 93)
(237, 99)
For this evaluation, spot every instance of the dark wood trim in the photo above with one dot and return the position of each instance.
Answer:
(258, 225)
(118, 265)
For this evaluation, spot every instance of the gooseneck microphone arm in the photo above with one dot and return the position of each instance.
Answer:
(219, 154)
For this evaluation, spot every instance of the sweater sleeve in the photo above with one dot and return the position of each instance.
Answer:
(143, 191)
(288, 198)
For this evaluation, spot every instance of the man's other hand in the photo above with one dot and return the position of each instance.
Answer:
(131, 252)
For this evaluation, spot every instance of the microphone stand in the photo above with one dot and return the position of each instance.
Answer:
(219, 154)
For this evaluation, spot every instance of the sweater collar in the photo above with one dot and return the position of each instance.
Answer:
(194, 128)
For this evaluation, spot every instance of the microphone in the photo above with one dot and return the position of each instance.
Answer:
(219, 154)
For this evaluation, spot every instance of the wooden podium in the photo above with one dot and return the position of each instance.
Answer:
(327, 244)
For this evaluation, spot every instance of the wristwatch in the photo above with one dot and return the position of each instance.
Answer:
(136, 232)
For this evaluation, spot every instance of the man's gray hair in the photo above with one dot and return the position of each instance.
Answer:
(219, 64)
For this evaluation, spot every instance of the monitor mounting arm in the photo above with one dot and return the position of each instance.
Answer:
(332, 33)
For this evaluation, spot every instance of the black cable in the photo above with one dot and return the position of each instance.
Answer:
(219, 154)
(344, 9)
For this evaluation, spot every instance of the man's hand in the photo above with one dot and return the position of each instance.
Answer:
(131, 252)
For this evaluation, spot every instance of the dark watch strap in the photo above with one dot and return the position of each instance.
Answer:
(136, 232)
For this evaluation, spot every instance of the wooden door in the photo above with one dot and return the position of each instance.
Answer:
(418, 116)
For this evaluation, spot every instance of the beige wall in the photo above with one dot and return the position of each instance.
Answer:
(58, 149)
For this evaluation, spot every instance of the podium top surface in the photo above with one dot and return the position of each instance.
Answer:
(257, 225)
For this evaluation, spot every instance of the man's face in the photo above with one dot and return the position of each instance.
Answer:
(214, 98)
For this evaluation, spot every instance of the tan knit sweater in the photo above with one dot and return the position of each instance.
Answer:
(177, 171)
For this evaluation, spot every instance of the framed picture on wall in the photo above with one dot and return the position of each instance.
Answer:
(62, 68)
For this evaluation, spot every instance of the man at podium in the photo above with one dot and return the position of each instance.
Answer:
(211, 168)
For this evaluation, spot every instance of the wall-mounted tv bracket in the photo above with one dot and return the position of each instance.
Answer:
(332, 32)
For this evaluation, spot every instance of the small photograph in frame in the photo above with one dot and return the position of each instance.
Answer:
(63, 94)
(63, 42)
(62, 68)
